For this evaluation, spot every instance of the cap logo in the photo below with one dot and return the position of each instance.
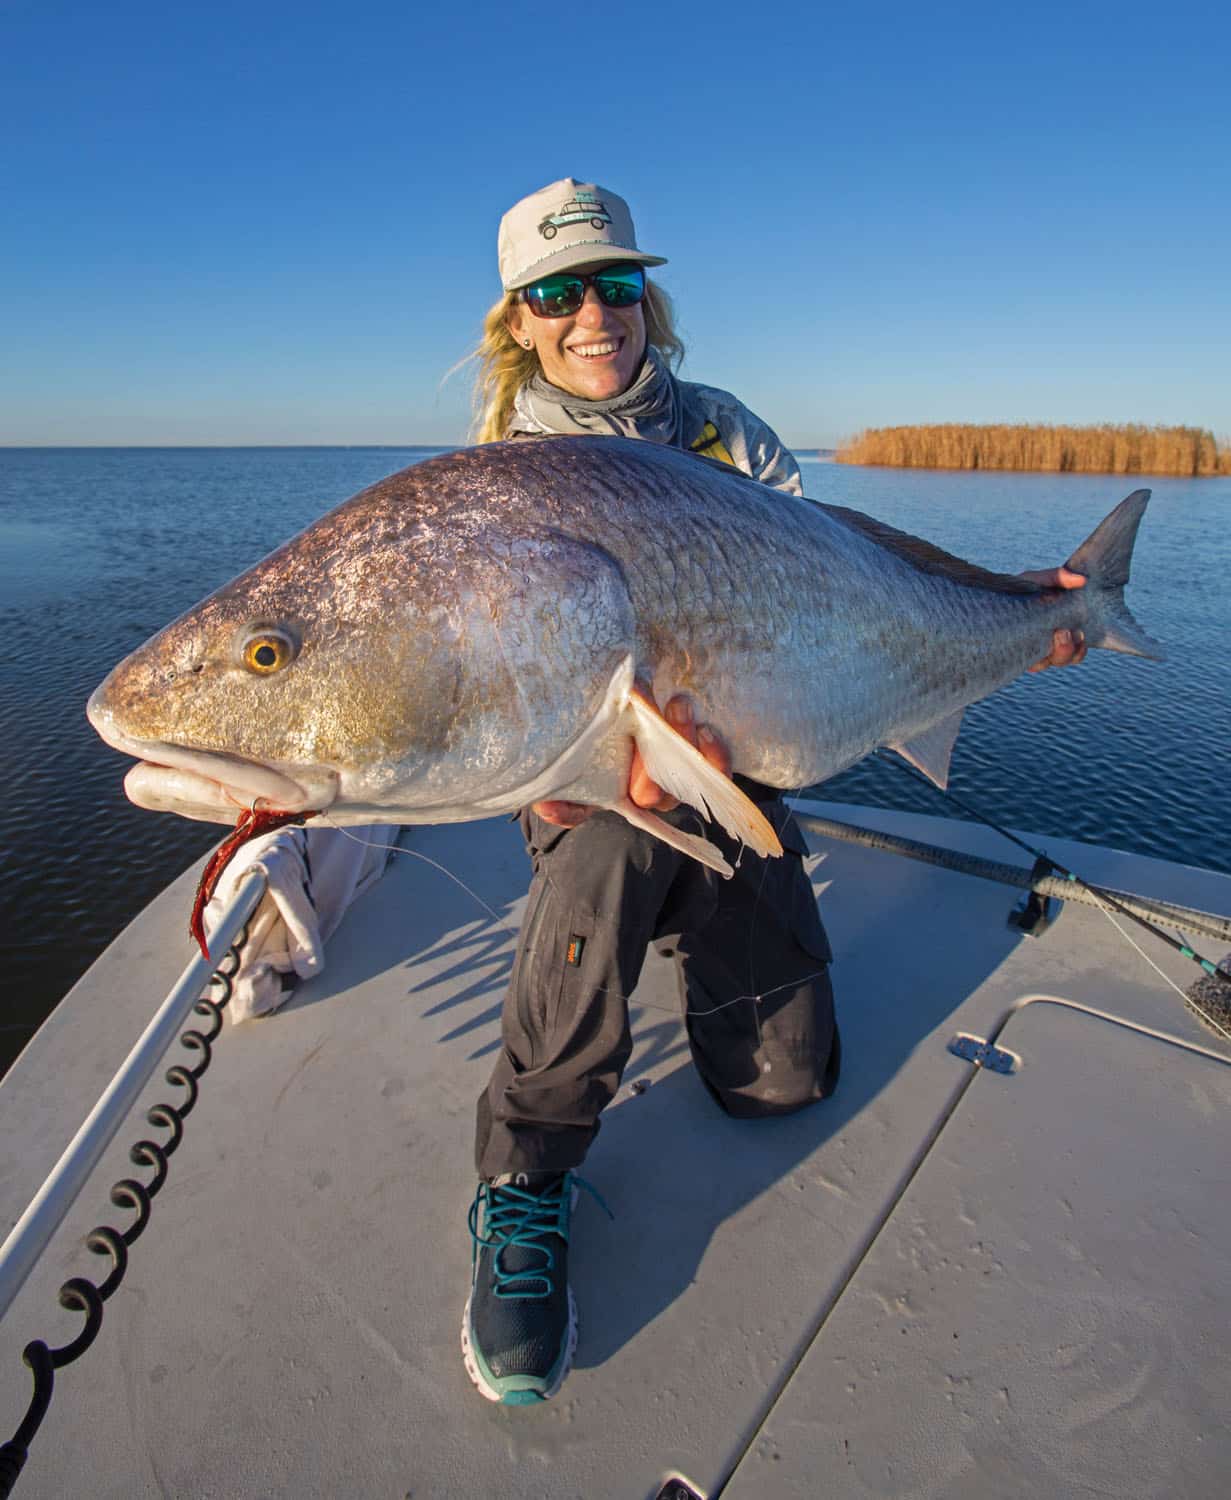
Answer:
(586, 207)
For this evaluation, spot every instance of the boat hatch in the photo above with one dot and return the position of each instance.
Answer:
(1014, 1329)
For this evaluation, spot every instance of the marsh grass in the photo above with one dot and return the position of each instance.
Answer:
(1130, 448)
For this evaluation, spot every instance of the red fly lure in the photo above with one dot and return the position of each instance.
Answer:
(252, 823)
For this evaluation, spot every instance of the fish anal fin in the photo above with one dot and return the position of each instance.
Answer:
(931, 751)
(681, 769)
(687, 843)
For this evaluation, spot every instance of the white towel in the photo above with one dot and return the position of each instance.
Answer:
(314, 874)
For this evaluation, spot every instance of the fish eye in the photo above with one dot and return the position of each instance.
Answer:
(266, 651)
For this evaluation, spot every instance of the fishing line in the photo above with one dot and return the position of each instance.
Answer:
(1133, 943)
(427, 860)
(671, 1010)
(1047, 865)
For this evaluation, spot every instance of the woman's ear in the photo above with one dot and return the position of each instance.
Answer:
(515, 322)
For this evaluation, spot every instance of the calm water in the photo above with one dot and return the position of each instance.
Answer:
(101, 547)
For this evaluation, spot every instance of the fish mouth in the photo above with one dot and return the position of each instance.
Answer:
(210, 785)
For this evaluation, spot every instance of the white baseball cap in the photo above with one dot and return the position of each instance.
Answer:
(563, 226)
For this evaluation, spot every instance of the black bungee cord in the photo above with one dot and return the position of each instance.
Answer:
(82, 1295)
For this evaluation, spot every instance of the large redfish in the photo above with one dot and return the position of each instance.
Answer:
(466, 637)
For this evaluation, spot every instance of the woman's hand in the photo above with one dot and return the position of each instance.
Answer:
(1068, 647)
(644, 791)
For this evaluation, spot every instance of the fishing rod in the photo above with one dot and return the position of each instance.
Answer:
(1045, 864)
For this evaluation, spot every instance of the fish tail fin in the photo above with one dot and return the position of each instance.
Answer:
(1105, 558)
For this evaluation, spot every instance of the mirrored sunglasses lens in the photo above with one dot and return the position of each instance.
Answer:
(620, 286)
(556, 296)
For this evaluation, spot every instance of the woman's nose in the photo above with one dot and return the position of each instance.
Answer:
(590, 313)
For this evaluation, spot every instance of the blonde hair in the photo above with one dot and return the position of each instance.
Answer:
(505, 365)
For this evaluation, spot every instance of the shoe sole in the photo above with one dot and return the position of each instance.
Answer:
(526, 1396)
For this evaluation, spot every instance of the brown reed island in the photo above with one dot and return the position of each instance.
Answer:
(1130, 448)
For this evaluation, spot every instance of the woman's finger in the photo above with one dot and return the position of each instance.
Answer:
(564, 814)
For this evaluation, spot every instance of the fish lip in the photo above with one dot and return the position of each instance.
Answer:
(245, 782)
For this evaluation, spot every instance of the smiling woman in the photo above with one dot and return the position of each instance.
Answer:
(590, 345)
(582, 343)
(587, 329)
(511, 365)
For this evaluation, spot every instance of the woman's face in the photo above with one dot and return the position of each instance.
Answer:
(595, 353)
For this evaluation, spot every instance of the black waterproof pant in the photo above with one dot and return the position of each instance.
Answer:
(751, 957)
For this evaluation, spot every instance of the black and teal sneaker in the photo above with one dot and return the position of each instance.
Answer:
(520, 1327)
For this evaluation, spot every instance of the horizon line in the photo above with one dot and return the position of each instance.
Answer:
(384, 447)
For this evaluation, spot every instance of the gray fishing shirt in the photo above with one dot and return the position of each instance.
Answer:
(660, 408)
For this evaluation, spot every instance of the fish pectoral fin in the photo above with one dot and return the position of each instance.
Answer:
(687, 843)
(681, 769)
(931, 751)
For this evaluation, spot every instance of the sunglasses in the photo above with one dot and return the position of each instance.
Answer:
(561, 295)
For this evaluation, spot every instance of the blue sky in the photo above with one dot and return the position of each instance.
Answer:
(272, 223)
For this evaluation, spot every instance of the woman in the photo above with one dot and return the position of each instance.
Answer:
(582, 342)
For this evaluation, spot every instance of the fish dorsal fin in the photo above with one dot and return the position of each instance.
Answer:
(931, 751)
(683, 771)
(926, 557)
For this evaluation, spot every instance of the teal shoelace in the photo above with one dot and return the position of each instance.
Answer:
(519, 1219)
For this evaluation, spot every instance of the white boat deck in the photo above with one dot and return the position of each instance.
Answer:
(942, 1282)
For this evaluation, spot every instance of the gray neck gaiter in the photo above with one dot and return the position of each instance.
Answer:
(649, 409)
